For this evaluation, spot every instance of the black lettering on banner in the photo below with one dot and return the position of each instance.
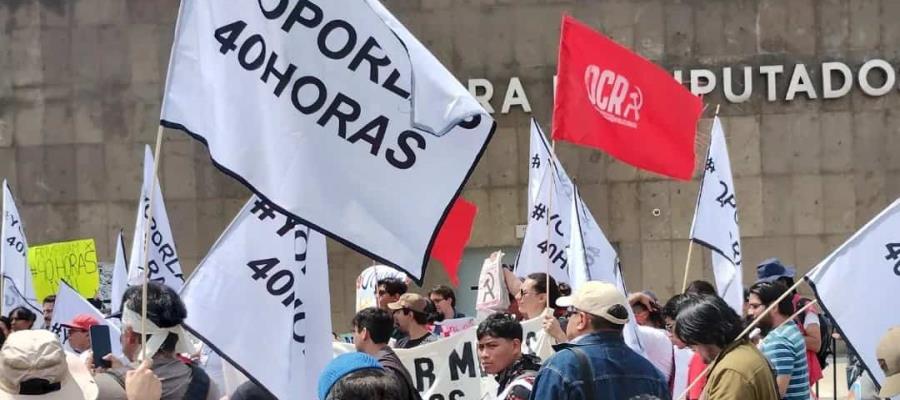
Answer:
(530, 340)
(726, 197)
(424, 369)
(16, 244)
(320, 98)
(276, 12)
(893, 250)
(391, 85)
(558, 226)
(311, 20)
(462, 364)
(325, 33)
(403, 142)
(380, 124)
(228, 34)
(365, 54)
(334, 110)
(252, 41)
(283, 77)
(556, 255)
(471, 123)
(300, 256)
(456, 394)
(279, 283)
(289, 224)
(264, 209)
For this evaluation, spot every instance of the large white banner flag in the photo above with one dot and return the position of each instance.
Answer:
(70, 304)
(18, 289)
(367, 284)
(547, 234)
(270, 272)
(119, 276)
(340, 101)
(162, 258)
(715, 222)
(864, 271)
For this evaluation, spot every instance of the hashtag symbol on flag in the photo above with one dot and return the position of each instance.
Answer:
(264, 209)
(535, 161)
(539, 211)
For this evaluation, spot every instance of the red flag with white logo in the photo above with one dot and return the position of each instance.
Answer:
(612, 99)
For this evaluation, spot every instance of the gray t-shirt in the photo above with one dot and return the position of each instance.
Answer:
(174, 375)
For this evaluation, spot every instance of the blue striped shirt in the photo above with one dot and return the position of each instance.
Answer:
(785, 349)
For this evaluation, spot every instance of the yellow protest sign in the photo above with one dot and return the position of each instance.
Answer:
(75, 262)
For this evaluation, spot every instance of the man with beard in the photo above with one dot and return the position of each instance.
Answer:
(500, 352)
(739, 371)
(783, 342)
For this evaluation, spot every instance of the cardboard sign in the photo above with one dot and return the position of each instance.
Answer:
(75, 262)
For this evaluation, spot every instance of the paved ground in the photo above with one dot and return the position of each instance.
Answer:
(826, 385)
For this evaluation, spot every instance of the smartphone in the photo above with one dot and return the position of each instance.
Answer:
(100, 345)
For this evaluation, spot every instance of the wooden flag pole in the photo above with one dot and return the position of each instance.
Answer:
(146, 280)
(747, 330)
(687, 264)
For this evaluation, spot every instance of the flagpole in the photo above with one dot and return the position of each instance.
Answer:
(687, 264)
(146, 245)
(746, 331)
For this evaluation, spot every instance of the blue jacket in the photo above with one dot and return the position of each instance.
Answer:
(618, 372)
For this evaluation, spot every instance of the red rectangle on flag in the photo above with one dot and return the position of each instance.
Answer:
(612, 99)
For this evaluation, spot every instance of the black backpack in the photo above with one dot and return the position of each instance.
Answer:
(826, 329)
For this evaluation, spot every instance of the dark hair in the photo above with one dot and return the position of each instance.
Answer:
(787, 281)
(369, 384)
(445, 292)
(618, 311)
(394, 286)
(654, 316)
(768, 292)
(500, 326)
(164, 308)
(422, 318)
(431, 312)
(5, 321)
(701, 287)
(705, 319)
(22, 313)
(375, 320)
(670, 309)
(540, 286)
(49, 299)
(565, 289)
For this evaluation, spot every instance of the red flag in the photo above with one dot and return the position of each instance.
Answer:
(614, 100)
(453, 236)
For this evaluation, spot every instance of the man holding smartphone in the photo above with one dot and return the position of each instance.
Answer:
(79, 332)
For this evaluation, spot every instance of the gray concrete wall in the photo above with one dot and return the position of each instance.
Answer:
(81, 82)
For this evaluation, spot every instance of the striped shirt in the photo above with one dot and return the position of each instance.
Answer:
(786, 351)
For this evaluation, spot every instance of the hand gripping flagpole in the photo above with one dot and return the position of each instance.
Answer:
(146, 245)
(747, 330)
(687, 264)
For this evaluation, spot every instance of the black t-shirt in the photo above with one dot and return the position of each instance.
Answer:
(407, 343)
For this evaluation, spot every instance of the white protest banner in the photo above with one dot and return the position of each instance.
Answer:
(367, 284)
(348, 113)
(162, 258)
(541, 157)
(271, 272)
(547, 235)
(492, 295)
(18, 289)
(70, 304)
(864, 271)
(715, 222)
(119, 276)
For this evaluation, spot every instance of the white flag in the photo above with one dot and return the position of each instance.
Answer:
(18, 289)
(547, 234)
(367, 284)
(260, 298)
(864, 271)
(330, 110)
(162, 259)
(70, 304)
(716, 220)
(540, 158)
(119, 276)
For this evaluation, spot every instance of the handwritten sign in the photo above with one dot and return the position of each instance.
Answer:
(75, 262)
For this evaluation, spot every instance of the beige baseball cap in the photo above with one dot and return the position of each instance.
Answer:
(596, 298)
(33, 365)
(410, 301)
(888, 353)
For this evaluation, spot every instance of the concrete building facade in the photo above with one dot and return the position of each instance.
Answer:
(81, 84)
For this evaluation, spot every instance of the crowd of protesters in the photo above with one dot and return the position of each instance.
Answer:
(779, 359)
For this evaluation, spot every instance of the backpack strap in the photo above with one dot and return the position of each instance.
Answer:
(198, 388)
(587, 372)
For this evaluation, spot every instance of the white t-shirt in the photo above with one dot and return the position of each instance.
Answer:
(658, 348)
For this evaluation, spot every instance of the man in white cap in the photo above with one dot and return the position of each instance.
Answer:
(165, 340)
(33, 365)
(888, 354)
(596, 363)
